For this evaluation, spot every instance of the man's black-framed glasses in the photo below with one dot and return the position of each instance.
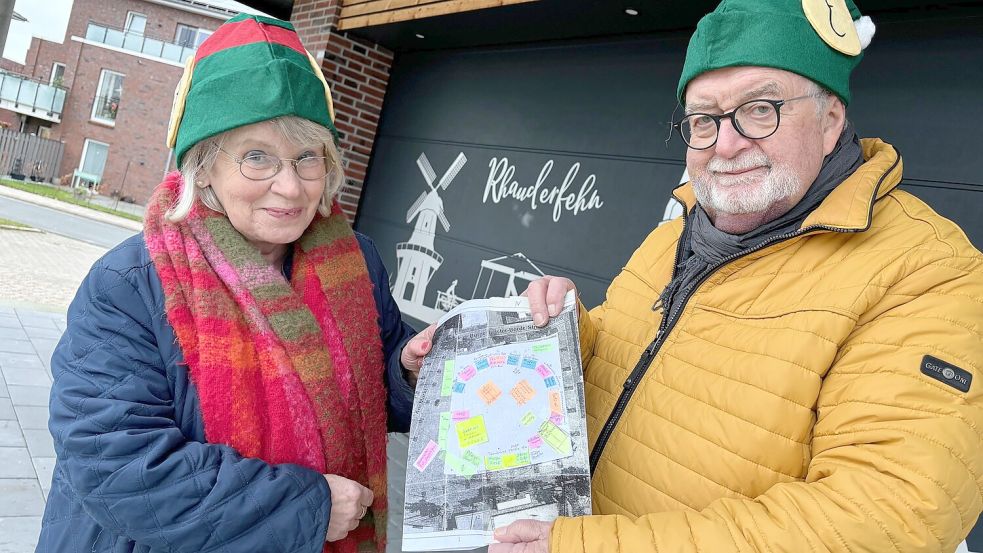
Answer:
(754, 119)
(265, 166)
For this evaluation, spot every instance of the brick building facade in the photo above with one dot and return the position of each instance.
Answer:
(129, 125)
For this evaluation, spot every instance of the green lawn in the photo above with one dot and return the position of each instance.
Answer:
(65, 196)
(9, 223)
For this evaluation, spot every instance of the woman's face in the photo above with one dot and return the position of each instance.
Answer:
(272, 212)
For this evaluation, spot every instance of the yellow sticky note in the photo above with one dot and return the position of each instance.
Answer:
(509, 460)
(472, 432)
(555, 437)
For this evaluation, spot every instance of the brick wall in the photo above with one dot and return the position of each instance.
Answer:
(358, 72)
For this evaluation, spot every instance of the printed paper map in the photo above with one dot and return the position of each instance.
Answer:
(498, 429)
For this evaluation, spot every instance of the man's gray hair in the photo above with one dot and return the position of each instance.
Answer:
(201, 157)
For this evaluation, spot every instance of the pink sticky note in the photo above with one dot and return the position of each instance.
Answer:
(458, 416)
(544, 371)
(429, 452)
(496, 360)
(557, 418)
(468, 373)
(536, 441)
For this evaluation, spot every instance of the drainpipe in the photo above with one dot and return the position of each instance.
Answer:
(6, 13)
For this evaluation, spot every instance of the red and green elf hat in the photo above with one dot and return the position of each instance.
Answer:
(251, 69)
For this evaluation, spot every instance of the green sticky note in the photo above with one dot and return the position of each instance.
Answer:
(527, 419)
(458, 465)
(472, 432)
(443, 429)
(470, 457)
(555, 437)
(540, 348)
(493, 462)
(523, 458)
(448, 384)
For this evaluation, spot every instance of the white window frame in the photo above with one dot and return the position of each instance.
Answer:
(51, 77)
(85, 150)
(199, 35)
(95, 101)
(129, 21)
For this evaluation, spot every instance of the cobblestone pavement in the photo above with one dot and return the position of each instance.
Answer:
(41, 271)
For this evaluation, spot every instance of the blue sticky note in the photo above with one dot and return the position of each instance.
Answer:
(550, 382)
(458, 387)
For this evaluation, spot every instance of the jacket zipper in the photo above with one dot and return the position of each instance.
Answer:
(665, 327)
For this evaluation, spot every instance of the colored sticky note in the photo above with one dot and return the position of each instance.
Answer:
(458, 416)
(489, 392)
(555, 437)
(445, 426)
(458, 465)
(426, 456)
(527, 419)
(493, 462)
(472, 458)
(496, 360)
(468, 373)
(508, 460)
(550, 381)
(523, 458)
(529, 363)
(557, 418)
(540, 348)
(458, 387)
(481, 363)
(472, 432)
(544, 371)
(556, 403)
(513, 359)
(536, 441)
(448, 383)
(522, 392)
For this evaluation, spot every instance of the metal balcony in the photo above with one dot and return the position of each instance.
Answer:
(24, 95)
(138, 43)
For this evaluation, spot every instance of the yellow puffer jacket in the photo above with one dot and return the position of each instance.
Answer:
(788, 409)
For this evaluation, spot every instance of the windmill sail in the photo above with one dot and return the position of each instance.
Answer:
(452, 172)
(443, 220)
(428, 173)
(416, 205)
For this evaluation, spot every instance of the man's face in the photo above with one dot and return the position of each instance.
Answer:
(743, 183)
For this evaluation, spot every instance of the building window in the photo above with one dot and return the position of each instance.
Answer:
(136, 23)
(93, 162)
(57, 74)
(106, 105)
(190, 37)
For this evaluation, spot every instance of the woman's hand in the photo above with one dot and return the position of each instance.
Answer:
(415, 350)
(546, 297)
(349, 503)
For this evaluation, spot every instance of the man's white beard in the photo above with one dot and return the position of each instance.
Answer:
(741, 195)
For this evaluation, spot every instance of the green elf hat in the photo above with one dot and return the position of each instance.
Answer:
(250, 69)
(822, 40)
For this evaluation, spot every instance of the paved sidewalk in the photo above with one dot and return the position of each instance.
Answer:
(27, 456)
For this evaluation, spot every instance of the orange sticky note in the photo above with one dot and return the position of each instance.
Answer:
(489, 392)
(556, 405)
(523, 392)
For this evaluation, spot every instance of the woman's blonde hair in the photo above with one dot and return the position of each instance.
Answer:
(201, 157)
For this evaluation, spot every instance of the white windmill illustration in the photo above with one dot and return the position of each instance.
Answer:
(417, 260)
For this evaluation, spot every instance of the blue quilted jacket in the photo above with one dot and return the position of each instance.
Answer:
(134, 472)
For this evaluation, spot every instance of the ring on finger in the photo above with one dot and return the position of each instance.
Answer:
(365, 510)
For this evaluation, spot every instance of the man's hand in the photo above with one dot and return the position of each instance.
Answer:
(349, 503)
(415, 350)
(523, 536)
(546, 297)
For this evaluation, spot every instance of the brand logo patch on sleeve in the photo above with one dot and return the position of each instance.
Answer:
(947, 373)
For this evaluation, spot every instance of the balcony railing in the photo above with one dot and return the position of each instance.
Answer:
(106, 108)
(138, 42)
(24, 95)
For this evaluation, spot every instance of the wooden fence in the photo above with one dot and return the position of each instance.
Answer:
(28, 157)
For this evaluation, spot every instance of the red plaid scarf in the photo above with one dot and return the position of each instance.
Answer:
(287, 372)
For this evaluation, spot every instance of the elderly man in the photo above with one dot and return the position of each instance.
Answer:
(794, 365)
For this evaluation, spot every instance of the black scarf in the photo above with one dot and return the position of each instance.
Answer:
(704, 246)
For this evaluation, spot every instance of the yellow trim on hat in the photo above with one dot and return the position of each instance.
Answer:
(180, 98)
(832, 22)
(327, 89)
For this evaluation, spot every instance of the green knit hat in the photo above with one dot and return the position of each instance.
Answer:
(822, 40)
(250, 69)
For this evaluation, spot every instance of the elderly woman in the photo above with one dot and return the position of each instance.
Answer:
(225, 379)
